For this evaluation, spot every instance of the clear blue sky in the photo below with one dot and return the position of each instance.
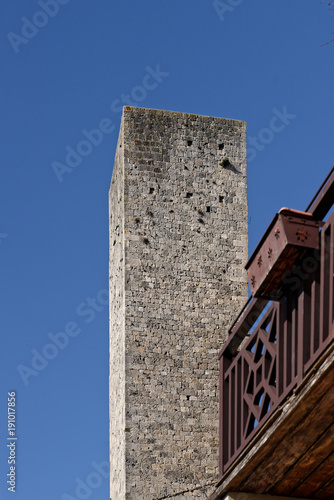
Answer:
(259, 61)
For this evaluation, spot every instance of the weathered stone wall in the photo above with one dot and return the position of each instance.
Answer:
(117, 326)
(177, 281)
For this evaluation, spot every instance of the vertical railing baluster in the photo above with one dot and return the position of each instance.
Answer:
(305, 331)
(324, 282)
(293, 342)
(281, 327)
(236, 419)
(245, 408)
(224, 411)
(317, 308)
(222, 422)
(328, 267)
(232, 409)
(330, 278)
(283, 364)
(313, 317)
(299, 347)
(242, 403)
(238, 404)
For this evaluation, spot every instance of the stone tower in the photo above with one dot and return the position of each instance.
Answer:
(178, 246)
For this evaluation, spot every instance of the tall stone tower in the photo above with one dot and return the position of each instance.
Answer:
(178, 245)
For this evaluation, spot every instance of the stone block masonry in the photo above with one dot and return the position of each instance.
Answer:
(178, 246)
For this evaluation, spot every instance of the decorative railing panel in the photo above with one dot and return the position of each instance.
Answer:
(281, 348)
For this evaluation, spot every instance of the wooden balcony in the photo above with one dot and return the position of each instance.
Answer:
(277, 371)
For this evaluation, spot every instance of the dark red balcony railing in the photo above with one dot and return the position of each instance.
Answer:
(285, 338)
